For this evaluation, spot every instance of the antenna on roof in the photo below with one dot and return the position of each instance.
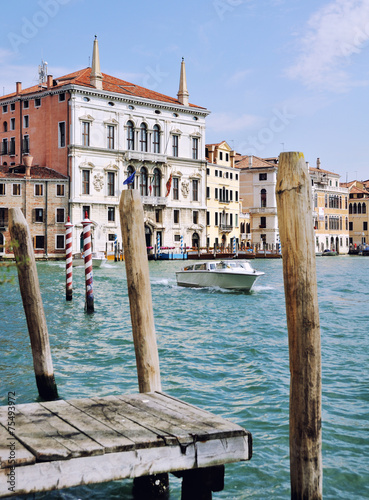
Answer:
(42, 73)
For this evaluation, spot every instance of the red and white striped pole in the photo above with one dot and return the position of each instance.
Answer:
(89, 304)
(68, 259)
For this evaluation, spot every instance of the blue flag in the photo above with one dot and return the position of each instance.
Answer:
(130, 179)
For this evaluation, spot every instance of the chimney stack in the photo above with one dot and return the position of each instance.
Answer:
(318, 163)
(18, 87)
(49, 81)
(250, 161)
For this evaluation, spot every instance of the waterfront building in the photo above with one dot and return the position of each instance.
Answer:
(358, 213)
(330, 210)
(42, 194)
(258, 178)
(98, 130)
(222, 195)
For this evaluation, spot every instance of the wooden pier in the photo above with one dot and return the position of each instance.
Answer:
(59, 444)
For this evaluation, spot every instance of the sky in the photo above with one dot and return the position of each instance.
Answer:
(277, 75)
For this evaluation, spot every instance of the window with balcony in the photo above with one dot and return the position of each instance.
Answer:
(143, 137)
(130, 171)
(175, 188)
(156, 139)
(157, 182)
(143, 181)
(175, 145)
(110, 130)
(111, 183)
(85, 133)
(60, 215)
(263, 198)
(130, 136)
(85, 182)
(12, 146)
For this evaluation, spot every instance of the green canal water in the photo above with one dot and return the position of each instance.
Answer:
(225, 352)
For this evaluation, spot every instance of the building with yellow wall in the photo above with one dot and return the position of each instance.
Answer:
(330, 210)
(222, 196)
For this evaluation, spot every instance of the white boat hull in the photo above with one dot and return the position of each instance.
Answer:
(231, 279)
(97, 260)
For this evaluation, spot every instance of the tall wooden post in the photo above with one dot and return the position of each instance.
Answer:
(297, 239)
(139, 290)
(32, 303)
(142, 317)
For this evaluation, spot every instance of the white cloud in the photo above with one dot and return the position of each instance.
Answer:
(334, 33)
(229, 122)
(238, 77)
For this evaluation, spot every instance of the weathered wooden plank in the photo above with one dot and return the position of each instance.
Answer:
(8, 444)
(179, 421)
(106, 436)
(44, 446)
(69, 436)
(198, 414)
(133, 424)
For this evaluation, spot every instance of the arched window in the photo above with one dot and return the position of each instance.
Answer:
(263, 198)
(130, 171)
(247, 227)
(350, 208)
(354, 209)
(143, 137)
(340, 201)
(364, 208)
(143, 181)
(346, 223)
(5, 126)
(242, 228)
(156, 184)
(130, 136)
(156, 139)
(359, 208)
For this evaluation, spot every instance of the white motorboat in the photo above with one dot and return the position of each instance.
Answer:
(229, 274)
(98, 258)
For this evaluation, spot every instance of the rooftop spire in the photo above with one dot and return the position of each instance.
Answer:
(183, 92)
(96, 76)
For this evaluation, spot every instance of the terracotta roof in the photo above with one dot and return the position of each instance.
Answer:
(355, 189)
(316, 170)
(110, 84)
(36, 172)
(242, 161)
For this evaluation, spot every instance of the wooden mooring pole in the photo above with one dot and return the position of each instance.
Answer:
(32, 303)
(142, 317)
(299, 273)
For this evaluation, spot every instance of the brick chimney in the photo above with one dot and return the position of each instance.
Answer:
(318, 163)
(18, 87)
(49, 81)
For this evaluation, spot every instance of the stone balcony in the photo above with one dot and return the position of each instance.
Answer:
(154, 201)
